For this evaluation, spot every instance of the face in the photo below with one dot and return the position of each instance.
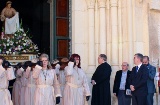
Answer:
(100, 60)
(145, 61)
(124, 66)
(9, 5)
(136, 60)
(1, 61)
(45, 62)
(77, 60)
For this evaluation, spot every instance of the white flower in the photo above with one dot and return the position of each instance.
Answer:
(24, 44)
(19, 48)
(14, 53)
(7, 44)
(24, 34)
(15, 34)
(21, 29)
(16, 42)
(7, 52)
(24, 51)
(9, 49)
(8, 40)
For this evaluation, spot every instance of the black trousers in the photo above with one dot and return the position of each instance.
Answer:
(139, 100)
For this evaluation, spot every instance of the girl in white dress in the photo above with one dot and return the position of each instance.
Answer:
(48, 89)
(6, 74)
(17, 85)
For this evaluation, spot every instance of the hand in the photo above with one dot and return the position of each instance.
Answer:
(93, 82)
(132, 87)
(57, 100)
(114, 94)
(87, 98)
(40, 63)
(57, 66)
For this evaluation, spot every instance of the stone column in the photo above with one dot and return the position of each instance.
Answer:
(115, 48)
(102, 26)
(114, 32)
(91, 32)
(108, 31)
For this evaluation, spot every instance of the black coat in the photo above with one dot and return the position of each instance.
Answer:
(101, 91)
(139, 81)
(117, 82)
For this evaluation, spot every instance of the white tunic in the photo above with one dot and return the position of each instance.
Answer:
(30, 87)
(76, 87)
(5, 76)
(16, 93)
(47, 87)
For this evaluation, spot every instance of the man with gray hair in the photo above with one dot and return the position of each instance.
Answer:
(101, 82)
(121, 85)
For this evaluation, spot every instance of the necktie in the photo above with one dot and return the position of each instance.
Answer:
(137, 68)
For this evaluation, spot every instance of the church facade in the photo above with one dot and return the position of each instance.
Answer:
(117, 28)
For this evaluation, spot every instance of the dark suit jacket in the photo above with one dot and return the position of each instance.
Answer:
(117, 81)
(139, 80)
(150, 81)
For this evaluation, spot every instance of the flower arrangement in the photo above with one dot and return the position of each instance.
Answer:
(17, 44)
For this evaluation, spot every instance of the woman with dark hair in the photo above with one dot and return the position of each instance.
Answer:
(48, 89)
(6, 74)
(76, 83)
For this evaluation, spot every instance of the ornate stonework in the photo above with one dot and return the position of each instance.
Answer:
(90, 3)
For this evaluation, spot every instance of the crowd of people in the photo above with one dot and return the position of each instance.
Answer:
(39, 82)
(64, 82)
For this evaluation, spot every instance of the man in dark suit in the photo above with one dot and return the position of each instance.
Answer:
(101, 83)
(150, 81)
(121, 85)
(138, 81)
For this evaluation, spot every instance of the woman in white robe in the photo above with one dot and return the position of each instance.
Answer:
(76, 87)
(61, 75)
(23, 87)
(16, 94)
(31, 84)
(5, 76)
(47, 89)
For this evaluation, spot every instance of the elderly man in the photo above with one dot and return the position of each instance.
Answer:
(150, 81)
(101, 82)
(121, 84)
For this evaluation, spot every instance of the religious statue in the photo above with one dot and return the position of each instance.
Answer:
(10, 18)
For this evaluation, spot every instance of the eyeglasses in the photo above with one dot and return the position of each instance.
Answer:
(123, 65)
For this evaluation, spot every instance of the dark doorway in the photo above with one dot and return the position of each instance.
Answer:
(35, 16)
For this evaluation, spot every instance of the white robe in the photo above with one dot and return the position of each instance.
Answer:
(22, 90)
(5, 76)
(76, 88)
(12, 24)
(47, 87)
(62, 81)
(30, 87)
(16, 93)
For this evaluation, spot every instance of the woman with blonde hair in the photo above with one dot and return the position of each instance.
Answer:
(48, 89)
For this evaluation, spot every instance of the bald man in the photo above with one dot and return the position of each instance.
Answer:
(121, 84)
